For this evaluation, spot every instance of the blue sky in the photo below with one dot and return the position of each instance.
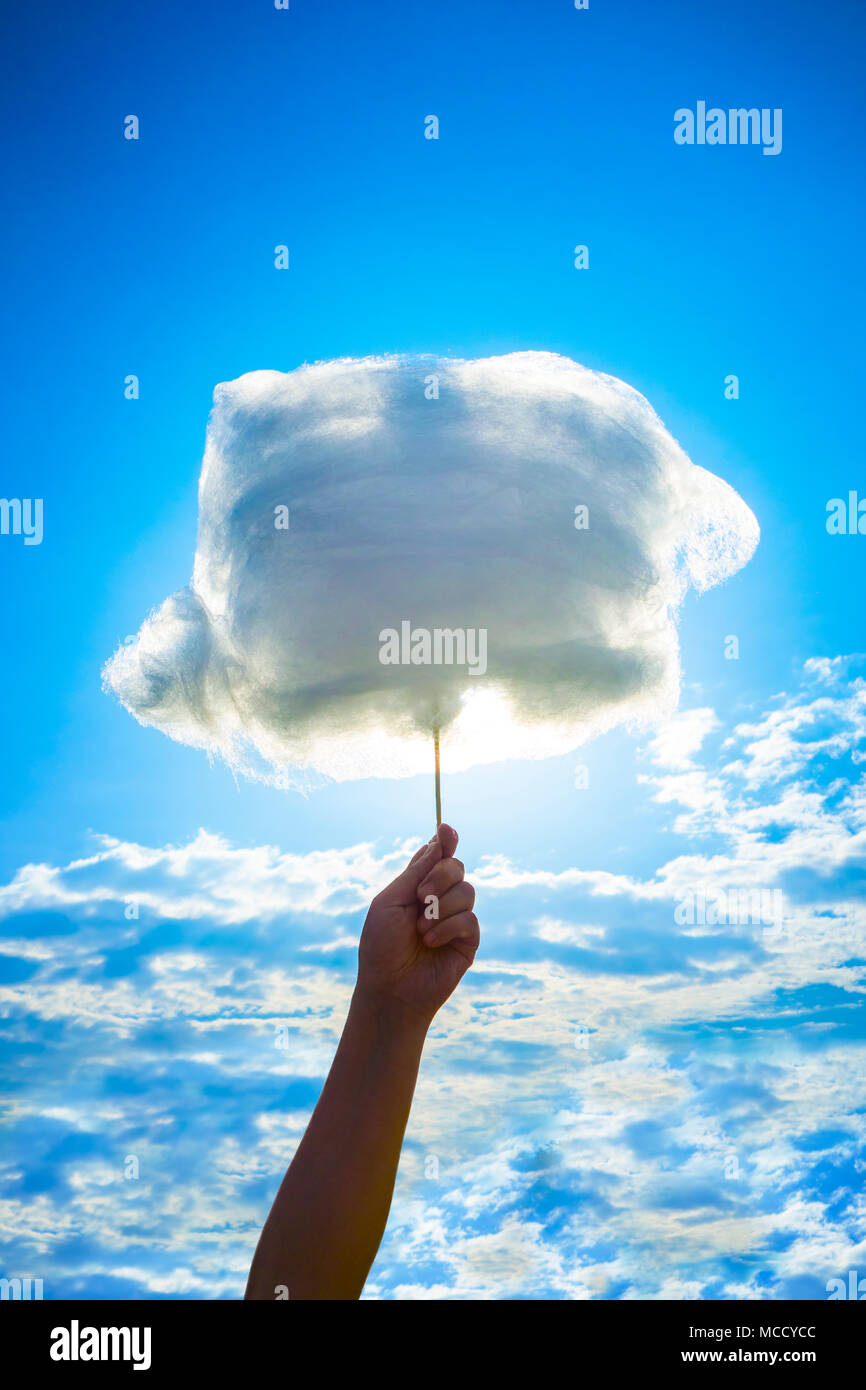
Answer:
(155, 1035)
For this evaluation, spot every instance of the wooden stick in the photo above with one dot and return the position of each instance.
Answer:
(438, 779)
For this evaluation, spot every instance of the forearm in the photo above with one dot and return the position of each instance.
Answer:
(326, 1223)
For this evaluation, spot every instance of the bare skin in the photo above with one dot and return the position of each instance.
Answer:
(329, 1215)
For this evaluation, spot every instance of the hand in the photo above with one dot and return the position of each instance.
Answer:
(413, 951)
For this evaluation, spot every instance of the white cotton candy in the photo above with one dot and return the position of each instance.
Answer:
(452, 512)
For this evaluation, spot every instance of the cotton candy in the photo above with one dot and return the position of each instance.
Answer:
(524, 497)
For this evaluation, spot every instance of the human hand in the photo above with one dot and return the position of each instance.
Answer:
(420, 935)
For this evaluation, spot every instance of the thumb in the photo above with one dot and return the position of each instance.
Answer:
(405, 887)
(448, 838)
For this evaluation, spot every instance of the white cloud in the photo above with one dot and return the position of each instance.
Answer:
(207, 878)
(583, 1093)
(681, 736)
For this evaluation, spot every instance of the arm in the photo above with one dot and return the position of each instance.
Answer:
(328, 1217)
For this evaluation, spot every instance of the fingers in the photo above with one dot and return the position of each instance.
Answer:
(442, 876)
(448, 838)
(436, 875)
(460, 898)
(461, 931)
(445, 894)
(404, 888)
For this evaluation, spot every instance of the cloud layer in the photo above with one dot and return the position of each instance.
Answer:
(524, 496)
(614, 1104)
